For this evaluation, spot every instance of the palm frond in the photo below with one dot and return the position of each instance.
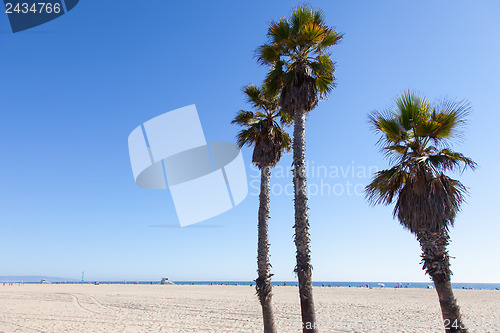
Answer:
(331, 38)
(300, 16)
(286, 141)
(246, 137)
(318, 17)
(451, 115)
(412, 109)
(323, 69)
(314, 33)
(395, 152)
(427, 128)
(243, 118)
(390, 126)
(385, 185)
(279, 31)
(275, 78)
(260, 98)
(322, 66)
(268, 54)
(446, 160)
(286, 119)
(253, 95)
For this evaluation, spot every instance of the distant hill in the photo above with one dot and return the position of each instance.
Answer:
(33, 279)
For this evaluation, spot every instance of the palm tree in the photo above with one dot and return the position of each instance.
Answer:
(269, 140)
(301, 69)
(416, 137)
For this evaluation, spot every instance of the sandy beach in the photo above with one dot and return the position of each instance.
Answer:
(158, 308)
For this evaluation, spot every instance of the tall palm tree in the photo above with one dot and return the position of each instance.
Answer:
(416, 137)
(301, 69)
(264, 133)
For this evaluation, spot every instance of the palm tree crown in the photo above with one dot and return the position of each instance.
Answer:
(416, 137)
(297, 53)
(263, 130)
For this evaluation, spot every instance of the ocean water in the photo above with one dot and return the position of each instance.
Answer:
(326, 284)
(423, 285)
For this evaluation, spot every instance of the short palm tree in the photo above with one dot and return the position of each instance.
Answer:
(416, 137)
(301, 69)
(264, 132)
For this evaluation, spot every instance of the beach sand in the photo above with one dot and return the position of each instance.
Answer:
(183, 308)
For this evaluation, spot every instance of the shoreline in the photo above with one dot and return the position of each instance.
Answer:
(369, 285)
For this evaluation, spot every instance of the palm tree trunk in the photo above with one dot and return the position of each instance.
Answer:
(303, 268)
(263, 282)
(437, 264)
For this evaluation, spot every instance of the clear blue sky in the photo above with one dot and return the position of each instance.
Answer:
(73, 89)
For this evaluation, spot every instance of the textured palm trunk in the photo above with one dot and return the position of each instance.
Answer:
(263, 282)
(437, 264)
(303, 268)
